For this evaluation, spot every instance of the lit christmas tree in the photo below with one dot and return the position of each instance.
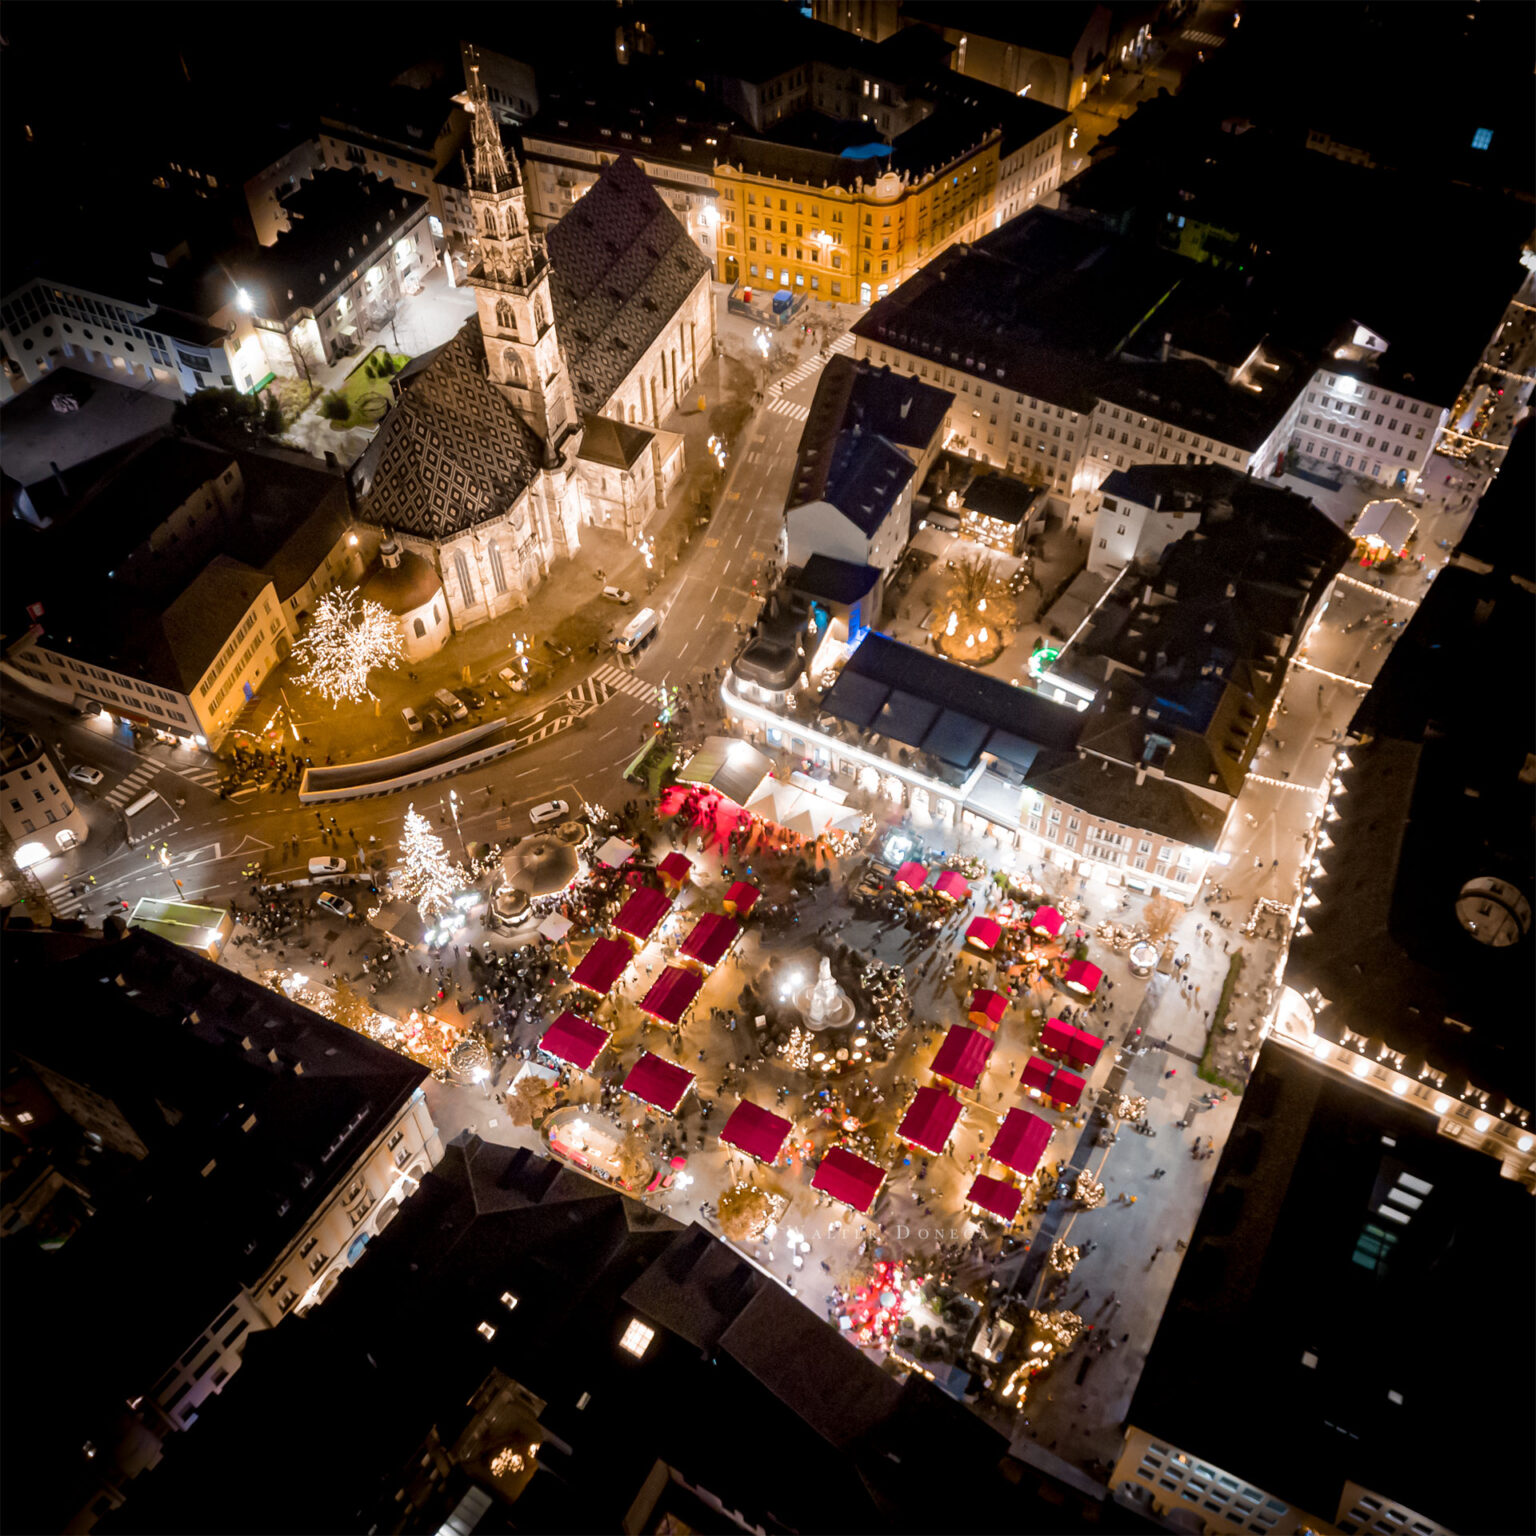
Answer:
(797, 1049)
(431, 878)
(347, 638)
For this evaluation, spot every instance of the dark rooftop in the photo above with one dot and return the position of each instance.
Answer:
(1001, 497)
(617, 444)
(1338, 1229)
(835, 581)
(1054, 29)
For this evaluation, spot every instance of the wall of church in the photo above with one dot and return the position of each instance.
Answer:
(624, 500)
(666, 376)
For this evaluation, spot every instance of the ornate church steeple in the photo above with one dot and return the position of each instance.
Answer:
(510, 277)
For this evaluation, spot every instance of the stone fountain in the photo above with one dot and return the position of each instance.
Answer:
(824, 1005)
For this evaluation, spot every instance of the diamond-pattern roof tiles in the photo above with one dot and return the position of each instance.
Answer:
(454, 452)
(622, 265)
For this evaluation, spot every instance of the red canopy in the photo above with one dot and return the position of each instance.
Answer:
(673, 991)
(963, 1056)
(1056, 1036)
(602, 965)
(984, 932)
(996, 1197)
(1047, 920)
(930, 1119)
(986, 1009)
(849, 1179)
(710, 940)
(675, 867)
(1021, 1141)
(640, 916)
(912, 875)
(1082, 977)
(1066, 1087)
(741, 898)
(1037, 1073)
(574, 1039)
(658, 1082)
(757, 1132)
(953, 885)
(1084, 1048)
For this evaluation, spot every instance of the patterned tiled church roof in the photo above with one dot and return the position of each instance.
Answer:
(453, 452)
(622, 266)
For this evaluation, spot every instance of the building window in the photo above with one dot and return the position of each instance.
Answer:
(637, 1338)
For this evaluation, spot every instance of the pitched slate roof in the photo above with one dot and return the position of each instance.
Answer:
(617, 444)
(453, 452)
(622, 265)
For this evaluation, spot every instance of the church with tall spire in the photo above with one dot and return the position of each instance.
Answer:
(546, 412)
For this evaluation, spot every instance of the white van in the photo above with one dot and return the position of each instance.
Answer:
(331, 866)
(451, 703)
(637, 632)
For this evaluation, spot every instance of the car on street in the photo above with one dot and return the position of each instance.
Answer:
(435, 716)
(551, 810)
(617, 595)
(559, 649)
(328, 866)
(330, 903)
(469, 698)
(83, 773)
(453, 705)
(411, 718)
(514, 680)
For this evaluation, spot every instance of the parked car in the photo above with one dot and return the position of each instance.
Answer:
(453, 705)
(328, 866)
(551, 810)
(514, 680)
(558, 649)
(437, 717)
(331, 903)
(83, 773)
(617, 595)
(411, 718)
(470, 698)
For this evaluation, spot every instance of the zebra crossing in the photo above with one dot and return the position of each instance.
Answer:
(209, 778)
(1202, 39)
(610, 678)
(814, 363)
(133, 786)
(63, 901)
(788, 408)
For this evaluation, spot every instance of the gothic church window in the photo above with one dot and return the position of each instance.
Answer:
(461, 570)
(540, 315)
(504, 316)
(514, 368)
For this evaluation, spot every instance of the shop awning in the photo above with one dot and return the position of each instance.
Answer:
(602, 965)
(995, 1197)
(1083, 977)
(1047, 920)
(1021, 1141)
(1085, 1048)
(929, 1120)
(710, 941)
(641, 915)
(574, 1039)
(1066, 1087)
(986, 1009)
(615, 853)
(953, 886)
(673, 991)
(758, 1132)
(848, 1179)
(800, 810)
(658, 1082)
(1037, 1073)
(963, 1056)
(675, 867)
(912, 876)
(741, 898)
(983, 933)
(1057, 1036)
(1386, 522)
(554, 927)
(731, 768)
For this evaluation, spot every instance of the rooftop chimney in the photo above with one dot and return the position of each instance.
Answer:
(906, 405)
(1162, 351)
(1157, 501)
(58, 477)
(389, 553)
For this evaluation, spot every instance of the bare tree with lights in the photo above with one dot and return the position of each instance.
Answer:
(1160, 917)
(429, 877)
(348, 637)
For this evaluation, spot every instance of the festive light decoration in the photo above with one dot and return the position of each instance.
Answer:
(875, 1309)
(1130, 1106)
(347, 638)
(430, 878)
(1063, 1257)
(1088, 1192)
(797, 1049)
(1053, 1333)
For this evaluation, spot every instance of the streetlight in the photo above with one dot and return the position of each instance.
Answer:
(453, 805)
(482, 1076)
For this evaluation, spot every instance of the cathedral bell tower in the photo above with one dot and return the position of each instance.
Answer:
(511, 283)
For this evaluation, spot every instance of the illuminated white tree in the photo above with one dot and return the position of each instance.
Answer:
(796, 1051)
(429, 877)
(348, 637)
